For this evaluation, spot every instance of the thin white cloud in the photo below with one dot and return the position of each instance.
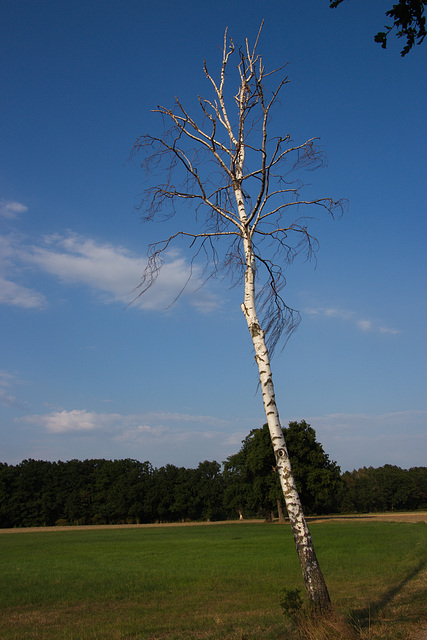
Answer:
(353, 440)
(161, 437)
(364, 421)
(392, 332)
(112, 272)
(77, 260)
(116, 272)
(143, 434)
(365, 325)
(16, 295)
(11, 292)
(71, 421)
(11, 209)
(153, 424)
(165, 416)
(333, 312)
(398, 438)
(7, 400)
(346, 315)
(7, 380)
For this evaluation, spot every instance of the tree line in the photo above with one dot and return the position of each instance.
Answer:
(41, 493)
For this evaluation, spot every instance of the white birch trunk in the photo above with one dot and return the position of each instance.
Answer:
(313, 577)
(230, 160)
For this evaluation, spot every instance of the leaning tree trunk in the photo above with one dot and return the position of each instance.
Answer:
(280, 513)
(313, 578)
(257, 184)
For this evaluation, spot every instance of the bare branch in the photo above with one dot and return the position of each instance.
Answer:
(158, 249)
(240, 183)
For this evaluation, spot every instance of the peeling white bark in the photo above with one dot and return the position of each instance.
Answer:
(313, 578)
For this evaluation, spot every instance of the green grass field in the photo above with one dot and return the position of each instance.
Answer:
(206, 582)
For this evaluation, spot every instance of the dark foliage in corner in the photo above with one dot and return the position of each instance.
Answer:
(408, 20)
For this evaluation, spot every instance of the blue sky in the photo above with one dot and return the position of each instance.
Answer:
(85, 375)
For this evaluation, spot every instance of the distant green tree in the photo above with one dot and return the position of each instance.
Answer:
(418, 476)
(119, 491)
(78, 490)
(6, 475)
(252, 486)
(140, 481)
(318, 478)
(40, 493)
(195, 494)
(185, 501)
(162, 496)
(28, 504)
(251, 479)
(237, 487)
(209, 482)
(387, 488)
(408, 20)
(397, 490)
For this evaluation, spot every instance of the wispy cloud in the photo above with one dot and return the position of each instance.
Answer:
(353, 440)
(16, 295)
(160, 437)
(398, 437)
(112, 272)
(153, 424)
(7, 380)
(12, 293)
(358, 422)
(71, 421)
(389, 330)
(364, 324)
(11, 209)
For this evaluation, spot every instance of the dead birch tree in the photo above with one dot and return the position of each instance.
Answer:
(248, 220)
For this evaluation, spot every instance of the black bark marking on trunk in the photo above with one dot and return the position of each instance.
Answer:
(255, 330)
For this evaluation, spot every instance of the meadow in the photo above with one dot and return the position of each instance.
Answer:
(218, 582)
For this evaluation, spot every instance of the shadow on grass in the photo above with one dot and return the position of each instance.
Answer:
(362, 618)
